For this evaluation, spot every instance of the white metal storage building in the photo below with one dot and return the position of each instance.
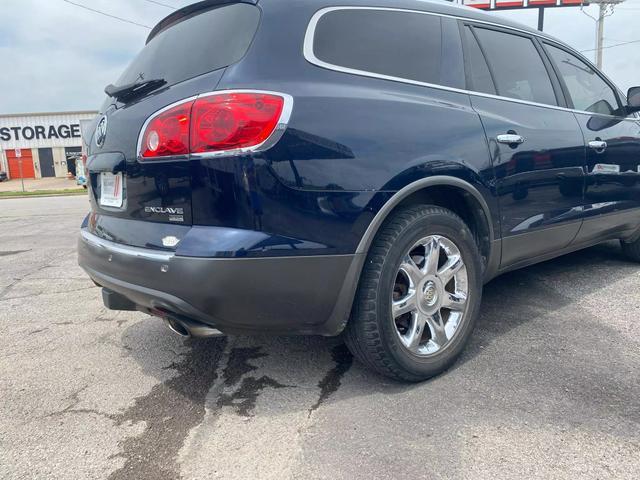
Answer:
(37, 145)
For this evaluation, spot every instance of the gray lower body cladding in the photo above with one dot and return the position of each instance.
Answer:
(285, 295)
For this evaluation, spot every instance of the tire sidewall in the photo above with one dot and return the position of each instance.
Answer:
(455, 230)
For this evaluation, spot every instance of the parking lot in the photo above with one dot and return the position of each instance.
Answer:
(548, 388)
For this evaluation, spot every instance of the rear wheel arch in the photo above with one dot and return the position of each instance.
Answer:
(452, 193)
(426, 191)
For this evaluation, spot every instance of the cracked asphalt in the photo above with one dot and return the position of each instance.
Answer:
(549, 386)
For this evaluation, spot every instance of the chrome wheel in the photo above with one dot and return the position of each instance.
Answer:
(429, 296)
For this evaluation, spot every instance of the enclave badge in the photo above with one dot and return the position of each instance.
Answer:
(176, 214)
(101, 131)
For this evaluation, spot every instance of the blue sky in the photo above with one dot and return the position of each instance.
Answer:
(59, 57)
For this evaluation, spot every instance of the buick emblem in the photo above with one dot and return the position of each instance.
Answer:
(101, 131)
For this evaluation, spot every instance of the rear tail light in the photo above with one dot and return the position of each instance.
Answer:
(167, 133)
(223, 123)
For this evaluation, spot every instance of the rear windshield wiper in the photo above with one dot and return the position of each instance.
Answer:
(126, 92)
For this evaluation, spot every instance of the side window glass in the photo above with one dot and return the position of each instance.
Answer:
(588, 91)
(393, 43)
(518, 69)
(451, 60)
(480, 75)
(405, 45)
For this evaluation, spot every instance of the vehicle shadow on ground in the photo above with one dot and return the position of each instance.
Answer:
(521, 296)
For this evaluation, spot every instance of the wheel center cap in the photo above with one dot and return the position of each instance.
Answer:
(429, 294)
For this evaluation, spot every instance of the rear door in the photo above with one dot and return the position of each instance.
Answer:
(612, 196)
(20, 163)
(537, 148)
(45, 156)
(189, 56)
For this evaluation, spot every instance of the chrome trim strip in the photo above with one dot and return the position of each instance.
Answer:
(310, 56)
(112, 247)
(283, 122)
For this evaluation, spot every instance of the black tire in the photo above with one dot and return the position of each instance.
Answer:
(371, 331)
(631, 249)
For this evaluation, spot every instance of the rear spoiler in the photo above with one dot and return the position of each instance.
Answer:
(188, 11)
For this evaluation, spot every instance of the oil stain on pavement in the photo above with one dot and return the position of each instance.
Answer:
(332, 380)
(243, 400)
(170, 411)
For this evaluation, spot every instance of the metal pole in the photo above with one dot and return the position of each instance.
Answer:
(541, 18)
(600, 33)
(21, 176)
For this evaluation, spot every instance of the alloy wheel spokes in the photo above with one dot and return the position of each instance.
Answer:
(430, 295)
(405, 305)
(450, 268)
(413, 338)
(413, 272)
(432, 256)
(437, 327)
(454, 301)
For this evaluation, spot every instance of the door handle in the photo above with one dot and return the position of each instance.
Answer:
(510, 139)
(598, 145)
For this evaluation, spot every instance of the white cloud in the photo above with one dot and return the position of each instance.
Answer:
(56, 56)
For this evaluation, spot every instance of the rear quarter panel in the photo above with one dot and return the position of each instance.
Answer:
(352, 142)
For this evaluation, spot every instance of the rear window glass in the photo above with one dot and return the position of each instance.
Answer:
(205, 42)
(393, 43)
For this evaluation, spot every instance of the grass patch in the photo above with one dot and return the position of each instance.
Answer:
(40, 193)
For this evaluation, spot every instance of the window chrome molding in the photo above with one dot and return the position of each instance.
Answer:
(310, 56)
(269, 142)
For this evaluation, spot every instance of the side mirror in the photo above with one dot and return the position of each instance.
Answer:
(633, 99)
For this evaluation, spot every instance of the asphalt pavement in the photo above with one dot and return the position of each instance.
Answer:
(549, 386)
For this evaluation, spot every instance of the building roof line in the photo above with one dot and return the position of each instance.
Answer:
(43, 114)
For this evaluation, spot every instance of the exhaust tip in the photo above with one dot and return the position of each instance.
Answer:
(176, 327)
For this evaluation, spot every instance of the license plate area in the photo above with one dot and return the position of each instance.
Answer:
(111, 187)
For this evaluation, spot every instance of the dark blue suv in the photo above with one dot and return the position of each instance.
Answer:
(314, 168)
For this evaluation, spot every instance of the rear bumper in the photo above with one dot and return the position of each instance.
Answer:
(285, 295)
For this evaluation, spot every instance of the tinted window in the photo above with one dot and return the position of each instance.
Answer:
(517, 67)
(398, 44)
(479, 71)
(200, 44)
(588, 91)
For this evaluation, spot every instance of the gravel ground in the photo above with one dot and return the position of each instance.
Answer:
(549, 386)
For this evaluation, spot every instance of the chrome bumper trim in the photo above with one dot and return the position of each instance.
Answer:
(127, 250)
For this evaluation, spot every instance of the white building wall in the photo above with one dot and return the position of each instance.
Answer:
(59, 162)
(42, 130)
(36, 162)
(3, 162)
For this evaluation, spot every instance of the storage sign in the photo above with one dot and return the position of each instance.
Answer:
(42, 130)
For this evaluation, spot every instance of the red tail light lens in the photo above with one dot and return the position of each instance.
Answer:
(168, 133)
(233, 121)
(221, 123)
